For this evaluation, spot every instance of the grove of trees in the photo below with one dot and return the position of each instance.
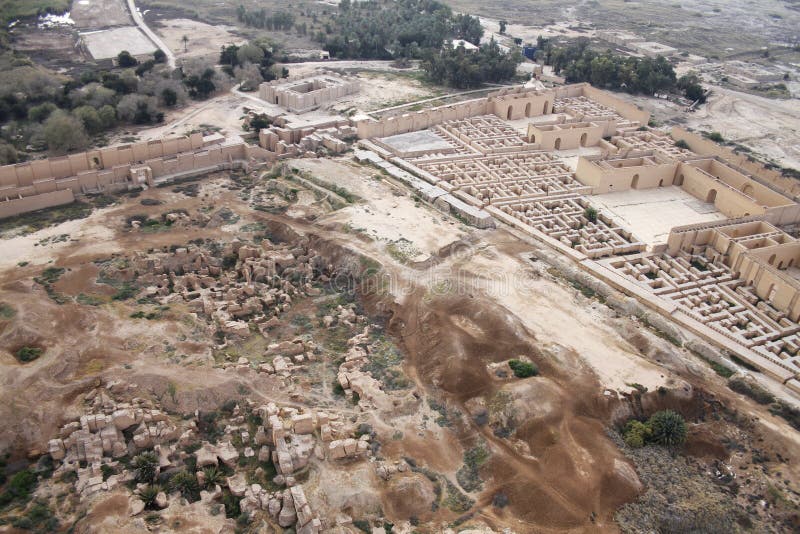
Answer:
(40, 110)
(382, 29)
(457, 67)
(579, 63)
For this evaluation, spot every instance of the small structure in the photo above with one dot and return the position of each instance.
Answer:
(653, 49)
(302, 94)
(469, 47)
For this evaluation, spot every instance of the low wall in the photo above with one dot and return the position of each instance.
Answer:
(627, 110)
(10, 208)
(27, 175)
(507, 103)
(50, 191)
(421, 120)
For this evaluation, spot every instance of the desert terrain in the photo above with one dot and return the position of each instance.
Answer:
(304, 338)
(454, 437)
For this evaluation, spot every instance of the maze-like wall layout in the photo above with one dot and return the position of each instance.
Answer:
(525, 184)
(490, 165)
(708, 292)
(644, 142)
(581, 108)
(487, 134)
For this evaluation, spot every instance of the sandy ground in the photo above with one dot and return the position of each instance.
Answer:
(770, 127)
(205, 40)
(95, 14)
(651, 213)
(380, 90)
(564, 323)
(39, 248)
(389, 213)
(225, 112)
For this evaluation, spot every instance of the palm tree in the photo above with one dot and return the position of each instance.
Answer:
(185, 40)
(213, 476)
(148, 494)
(186, 483)
(146, 466)
(668, 428)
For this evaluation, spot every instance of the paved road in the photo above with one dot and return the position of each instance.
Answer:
(137, 18)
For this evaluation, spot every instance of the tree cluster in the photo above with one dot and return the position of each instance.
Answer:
(666, 428)
(579, 63)
(40, 110)
(383, 29)
(250, 64)
(690, 85)
(281, 20)
(457, 67)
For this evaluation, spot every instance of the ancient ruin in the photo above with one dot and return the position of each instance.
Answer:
(542, 161)
(305, 93)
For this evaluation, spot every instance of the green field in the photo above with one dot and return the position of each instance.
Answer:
(16, 9)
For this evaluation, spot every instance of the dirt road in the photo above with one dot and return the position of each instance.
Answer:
(137, 18)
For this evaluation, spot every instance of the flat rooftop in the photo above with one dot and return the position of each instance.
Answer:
(416, 141)
(652, 213)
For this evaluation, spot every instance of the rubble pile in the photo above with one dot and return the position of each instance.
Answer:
(288, 437)
(354, 380)
(97, 440)
(243, 285)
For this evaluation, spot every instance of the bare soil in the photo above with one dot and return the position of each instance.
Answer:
(98, 14)
(471, 301)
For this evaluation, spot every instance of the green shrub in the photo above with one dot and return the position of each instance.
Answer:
(231, 504)
(751, 389)
(6, 311)
(468, 475)
(786, 411)
(49, 275)
(500, 500)
(146, 466)
(680, 143)
(28, 354)
(37, 518)
(213, 476)
(591, 214)
(19, 487)
(107, 471)
(185, 483)
(668, 428)
(125, 292)
(636, 434)
(148, 494)
(523, 369)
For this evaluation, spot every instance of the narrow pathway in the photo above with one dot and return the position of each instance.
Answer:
(139, 20)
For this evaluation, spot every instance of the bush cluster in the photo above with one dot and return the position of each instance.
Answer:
(523, 369)
(666, 428)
